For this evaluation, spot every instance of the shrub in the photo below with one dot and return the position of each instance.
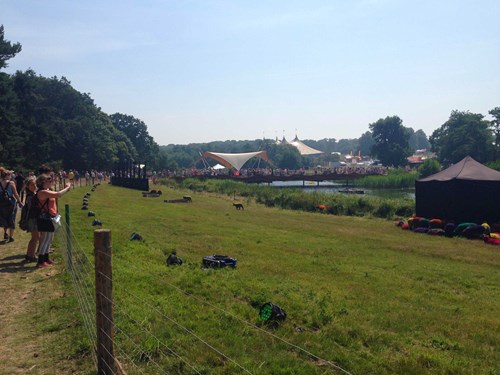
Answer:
(397, 178)
(428, 168)
(405, 210)
(296, 199)
(384, 210)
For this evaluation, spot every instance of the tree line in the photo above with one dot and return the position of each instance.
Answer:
(46, 120)
(463, 134)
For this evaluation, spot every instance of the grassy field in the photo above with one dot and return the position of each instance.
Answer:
(297, 199)
(360, 294)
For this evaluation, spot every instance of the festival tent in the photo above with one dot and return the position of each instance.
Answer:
(282, 142)
(303, 148)
(235, 161)
(467, 191)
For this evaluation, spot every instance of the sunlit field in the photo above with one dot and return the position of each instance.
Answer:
(361, 295)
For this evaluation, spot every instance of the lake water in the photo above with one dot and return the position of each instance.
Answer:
(333, 188)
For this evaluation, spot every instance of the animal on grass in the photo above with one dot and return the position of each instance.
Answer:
(187, 198)
(238, 206)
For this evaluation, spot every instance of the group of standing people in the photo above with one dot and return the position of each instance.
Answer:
(39, 198)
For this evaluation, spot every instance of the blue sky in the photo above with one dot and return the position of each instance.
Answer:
(200, 71)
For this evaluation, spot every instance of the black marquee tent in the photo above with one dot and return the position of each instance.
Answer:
(465, 192)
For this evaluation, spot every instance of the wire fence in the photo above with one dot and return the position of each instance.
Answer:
(146, 338)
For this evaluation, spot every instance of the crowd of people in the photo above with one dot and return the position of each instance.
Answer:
(36, 199)
(342, 170)
(78, 178)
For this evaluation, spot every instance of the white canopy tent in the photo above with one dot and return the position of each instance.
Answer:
(235, 161)
(303, 148)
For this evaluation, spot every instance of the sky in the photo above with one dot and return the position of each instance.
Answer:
(197, 71)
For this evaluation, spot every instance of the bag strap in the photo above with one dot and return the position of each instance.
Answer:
(44, 204)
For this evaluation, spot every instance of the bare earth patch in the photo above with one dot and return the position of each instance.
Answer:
(26, 345)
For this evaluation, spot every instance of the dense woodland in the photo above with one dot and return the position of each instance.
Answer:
(45, 120)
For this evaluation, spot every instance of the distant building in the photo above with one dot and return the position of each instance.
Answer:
(419, 157)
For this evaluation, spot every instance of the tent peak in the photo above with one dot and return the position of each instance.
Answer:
(465, 169)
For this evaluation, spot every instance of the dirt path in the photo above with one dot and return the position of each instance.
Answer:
(27, 345)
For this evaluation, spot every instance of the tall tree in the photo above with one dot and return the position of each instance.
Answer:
(9, 123)
(287, 156)
(418, 140)
(10, 136)
(347, 146)
(391, 141)
(47, 120)
(137, 131)
(428, 167)
(464, 134)
(366, 143)
(495, 127)
(7, 49)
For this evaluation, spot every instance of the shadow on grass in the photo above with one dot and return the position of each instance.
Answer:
(10, 267)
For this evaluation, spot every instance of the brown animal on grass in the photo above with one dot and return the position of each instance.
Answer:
(238, 206)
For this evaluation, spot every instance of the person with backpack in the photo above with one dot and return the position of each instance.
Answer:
(29, 215)
(47, 201)
(8, 207)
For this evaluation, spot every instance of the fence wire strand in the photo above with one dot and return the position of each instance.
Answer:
(81, 269)
(86, 301)
(185, 329)
(297, 347)
(145, 330)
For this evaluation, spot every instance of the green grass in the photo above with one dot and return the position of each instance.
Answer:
(396, 179)
(297, 199)
(358, 292)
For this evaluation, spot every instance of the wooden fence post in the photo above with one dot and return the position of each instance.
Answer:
(104, 302)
